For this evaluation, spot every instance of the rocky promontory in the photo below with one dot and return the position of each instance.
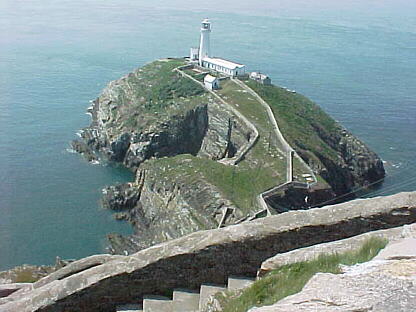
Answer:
(177, 138)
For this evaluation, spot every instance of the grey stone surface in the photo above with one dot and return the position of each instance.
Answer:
(130, 308)
(403, 249)
(206, 293)
(185, 301)
(8, 289)
(238, 283)
(211, 256)
(378, 285)
(157, 304)
(339, 246)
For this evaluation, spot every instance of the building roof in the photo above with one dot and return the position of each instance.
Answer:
(209, 78)
(222, 62)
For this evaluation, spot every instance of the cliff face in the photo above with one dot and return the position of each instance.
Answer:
(161, 207)
(341, 159)
(141, 117)
(355, 166)
(171, 131)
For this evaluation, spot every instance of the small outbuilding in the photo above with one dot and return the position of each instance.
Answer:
(262, 78)
(194, 54)
(211, 82)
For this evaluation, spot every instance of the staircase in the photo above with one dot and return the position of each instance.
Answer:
(185, 300)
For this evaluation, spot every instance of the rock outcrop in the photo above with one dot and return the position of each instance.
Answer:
(339, 246)
(386, 283)
(161, 209)
(155, 113)
(30, 273)
(355, 166)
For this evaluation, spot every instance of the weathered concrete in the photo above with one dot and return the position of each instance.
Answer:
(211, 256)
(339, 246)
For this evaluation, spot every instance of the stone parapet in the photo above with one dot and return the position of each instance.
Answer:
(211, 256)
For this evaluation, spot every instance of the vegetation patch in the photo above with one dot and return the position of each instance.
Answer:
(239, 184)
(152, 92)
(26, 273)
(268, 144)
(303, 123)
(290, 279)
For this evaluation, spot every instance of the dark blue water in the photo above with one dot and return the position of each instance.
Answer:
(358, 62)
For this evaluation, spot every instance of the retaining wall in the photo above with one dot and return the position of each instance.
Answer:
(209, 256)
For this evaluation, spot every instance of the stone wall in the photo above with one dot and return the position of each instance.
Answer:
(336, 247)
(210, 256)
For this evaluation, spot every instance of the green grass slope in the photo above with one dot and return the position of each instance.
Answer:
(290, 279)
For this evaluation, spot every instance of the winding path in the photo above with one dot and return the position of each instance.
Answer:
(288, 150)
(253, 139)
(285, 149)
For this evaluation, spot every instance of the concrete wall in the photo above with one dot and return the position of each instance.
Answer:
(209, 256)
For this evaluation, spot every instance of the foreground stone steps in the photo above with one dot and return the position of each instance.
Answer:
(237, 283)
(185, 300)
(207, 291)
(157, 304)
(130, 308)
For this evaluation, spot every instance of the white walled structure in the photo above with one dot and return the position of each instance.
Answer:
(204, 45)
(211, 82)
(262, 78)
(203, 55)
(194, 54)
(224, 66)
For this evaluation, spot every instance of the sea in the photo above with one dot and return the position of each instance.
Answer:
(357, 60)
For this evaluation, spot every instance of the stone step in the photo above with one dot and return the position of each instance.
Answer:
(185, 300)
(237, 282)
(206, 292)
(130, 308)
(157, 304)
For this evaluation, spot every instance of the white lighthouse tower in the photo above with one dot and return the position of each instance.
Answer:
(204, 47)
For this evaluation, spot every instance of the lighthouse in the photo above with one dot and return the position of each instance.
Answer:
(202, 55)
(204, 48)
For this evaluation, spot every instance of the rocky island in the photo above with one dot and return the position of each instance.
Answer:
(202, 158)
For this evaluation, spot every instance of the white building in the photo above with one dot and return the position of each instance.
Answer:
(194, 55)
(211, 82)
(224, 66)
(262, 78)
(204, 44)
(213, 63)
